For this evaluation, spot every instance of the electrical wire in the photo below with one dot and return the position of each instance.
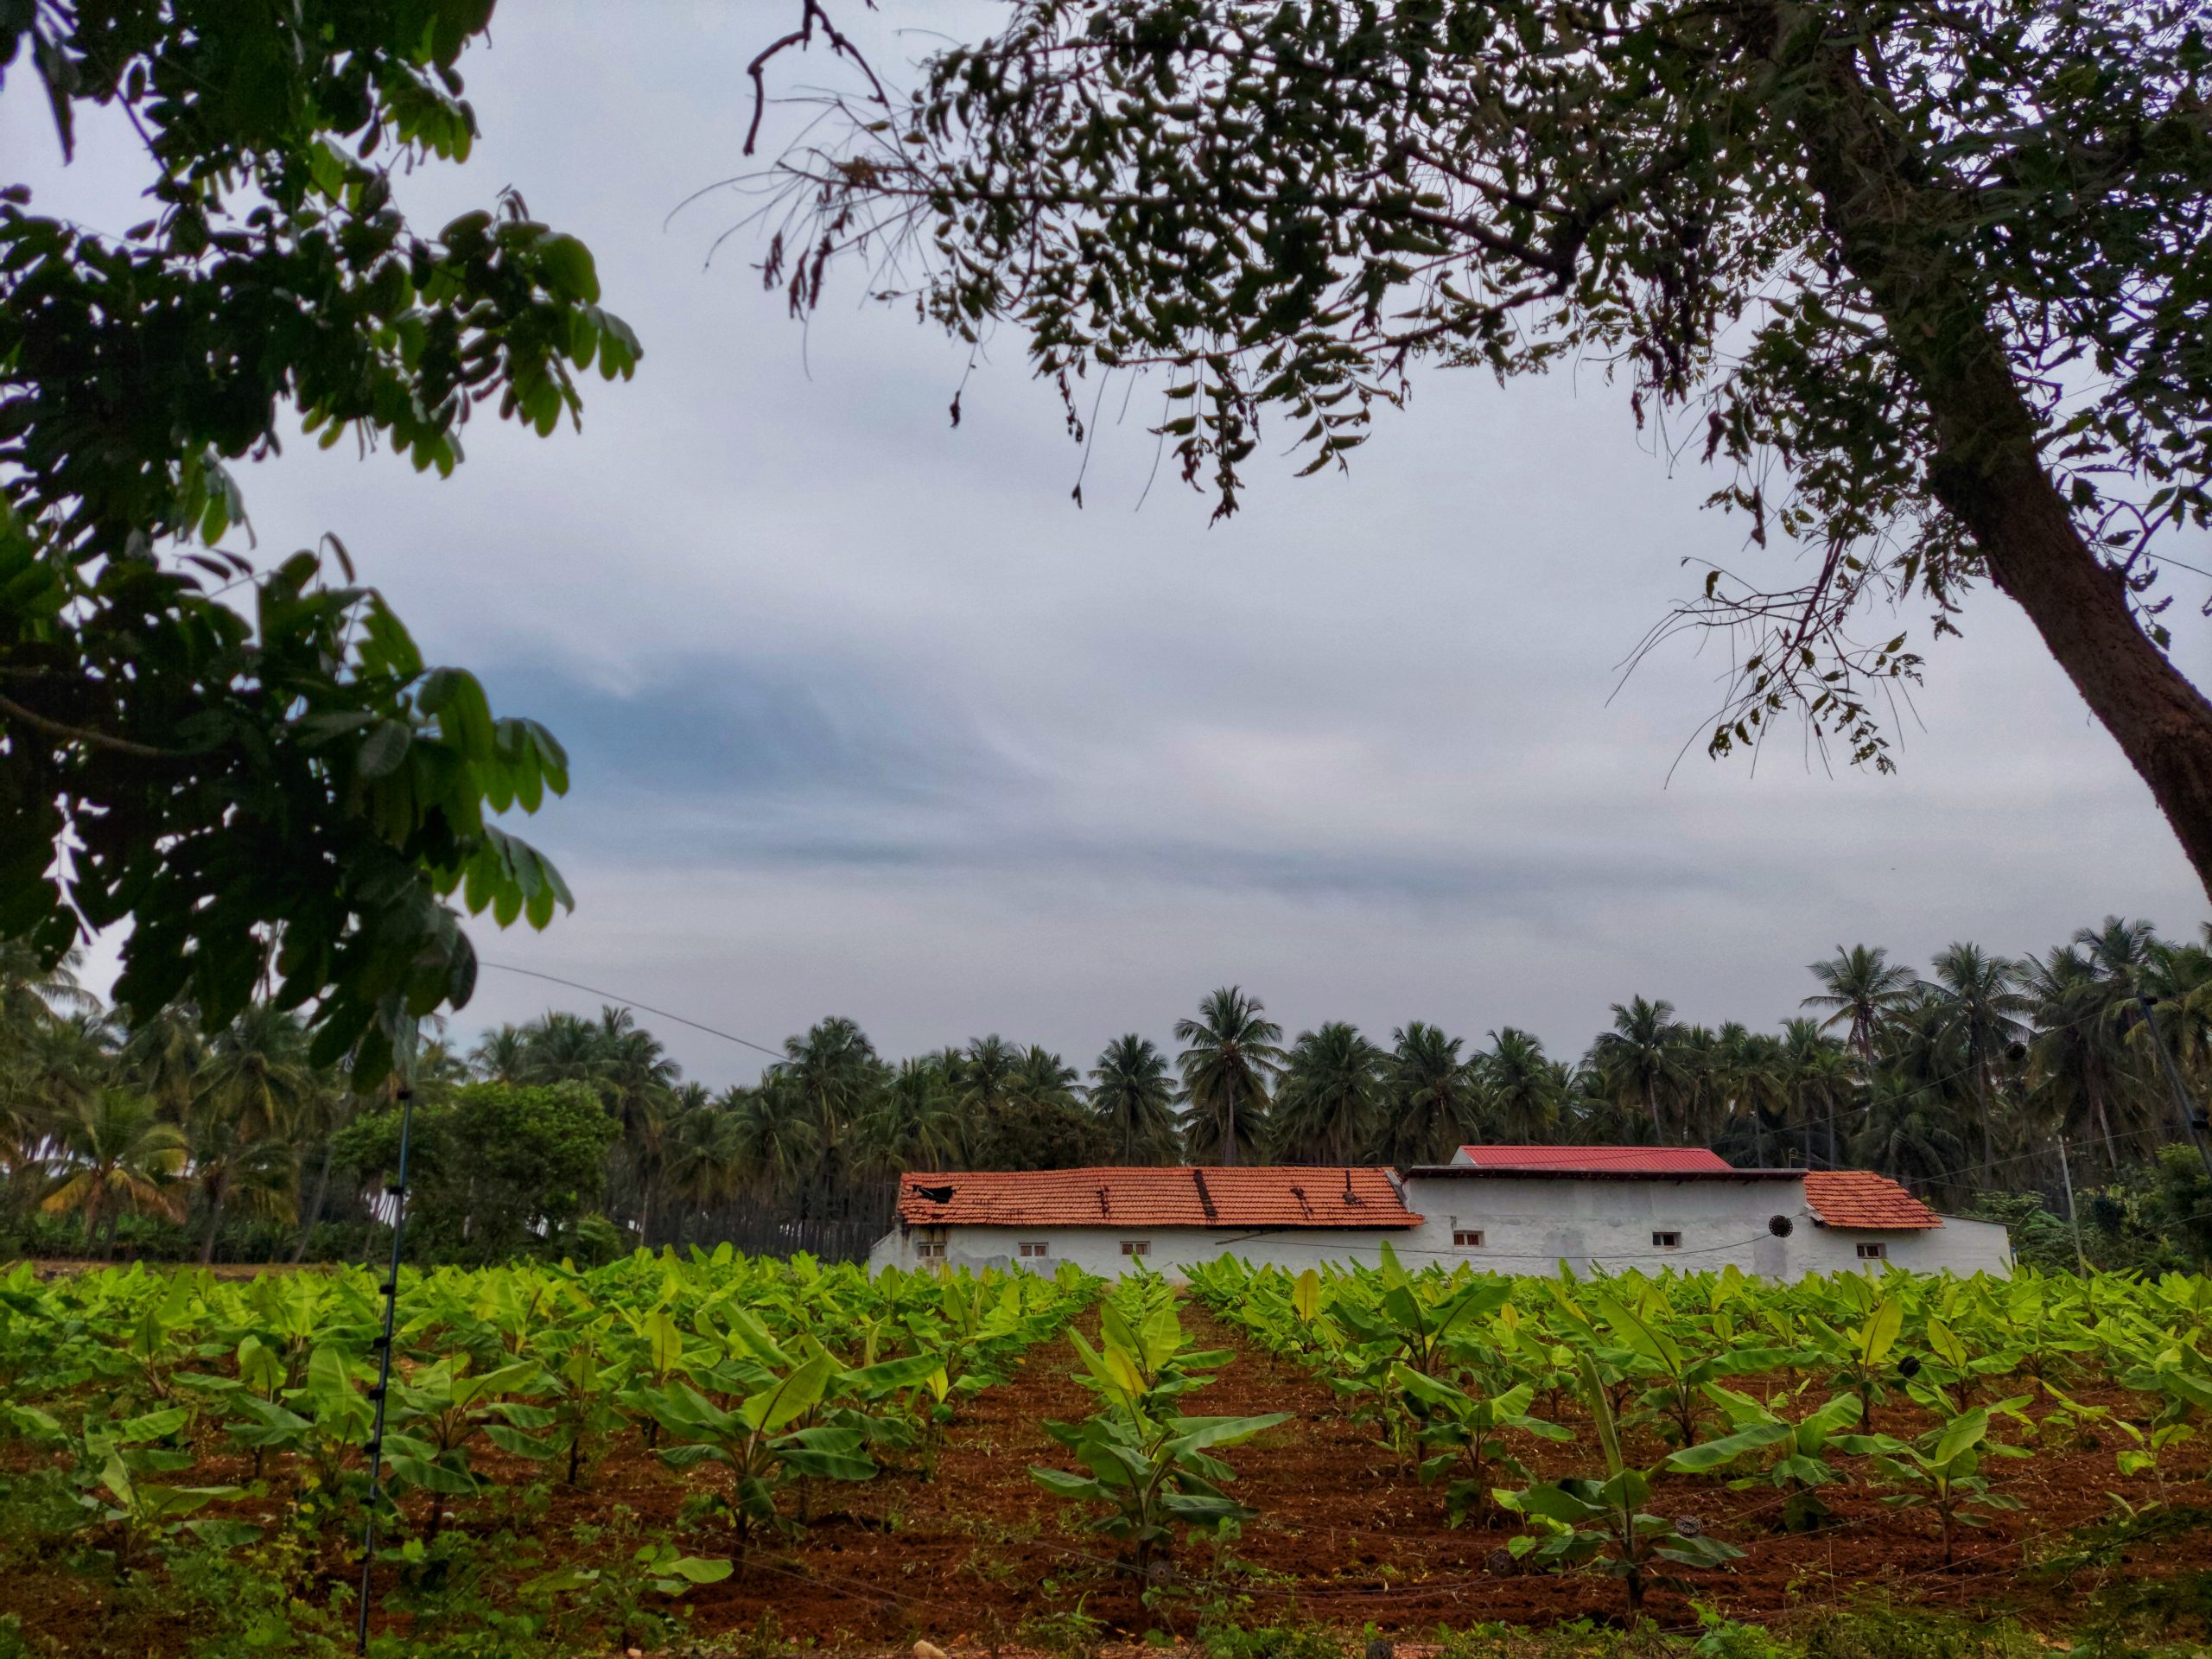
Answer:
(631, 1002)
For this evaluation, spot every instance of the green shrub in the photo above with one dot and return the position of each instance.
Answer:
(1273, 1642)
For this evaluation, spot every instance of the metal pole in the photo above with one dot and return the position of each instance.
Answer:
(391, 1291)
(2081, 1257)
(2189, 1119)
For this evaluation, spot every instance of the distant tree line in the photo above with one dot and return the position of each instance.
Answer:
(580, 1136)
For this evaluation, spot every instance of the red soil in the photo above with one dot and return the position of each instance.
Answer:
(972, 1553)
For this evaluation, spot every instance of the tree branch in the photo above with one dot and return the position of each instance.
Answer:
(15, 711)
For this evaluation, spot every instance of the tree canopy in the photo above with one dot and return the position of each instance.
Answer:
(1927, 280)
(257, 768)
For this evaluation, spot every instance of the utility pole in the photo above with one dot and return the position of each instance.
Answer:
(391, 1291)
(2081, 1257)
(2188, 1107)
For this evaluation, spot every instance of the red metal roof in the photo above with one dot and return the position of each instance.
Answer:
(1858, 1198)
(1284, 1196)
(1640, 1160)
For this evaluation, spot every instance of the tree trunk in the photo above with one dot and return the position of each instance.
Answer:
(214, 1226)
(2104, 1125)
(1894, 214)
(314, 1210)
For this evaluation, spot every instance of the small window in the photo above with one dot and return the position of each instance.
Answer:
(1873, 1252)
(928, 1252)
(1467, 1238)
(1666, 1241)
(1039, 1248)
(1137, 1247)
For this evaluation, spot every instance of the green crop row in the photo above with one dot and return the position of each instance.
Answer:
(1724, 1377)
(762, 1374)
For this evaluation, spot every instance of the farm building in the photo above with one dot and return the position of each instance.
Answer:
(1513, 1209)
(1107, 1220)
(1527, 1208)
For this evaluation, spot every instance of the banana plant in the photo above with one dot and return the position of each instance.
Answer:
(1152, 1474)
(442, 1411)
(1467, 1428)
(578, 1385)
(140, 1509)
(1675, 1378)
(759, 1443)
(1942, 1470)
(662, 1341)
(1145, 1360)
(1804, 1445)
(115, 1458)
(153, 1339)
(1861, 1354)
(1583, 1519)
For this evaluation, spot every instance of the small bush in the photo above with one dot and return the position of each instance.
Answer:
(1273, 1642)
(1883, 1634)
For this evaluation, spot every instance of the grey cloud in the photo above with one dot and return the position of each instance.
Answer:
(868, 717)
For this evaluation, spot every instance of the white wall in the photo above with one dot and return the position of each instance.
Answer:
(1958, 1246)
(1527, 1227)
(1530, 1226)
(1098, 1249)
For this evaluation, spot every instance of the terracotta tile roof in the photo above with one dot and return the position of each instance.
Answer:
(1858, 1198)
(1285, 1196)
(1640, 1160)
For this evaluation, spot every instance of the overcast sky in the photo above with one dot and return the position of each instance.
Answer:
(866, 717)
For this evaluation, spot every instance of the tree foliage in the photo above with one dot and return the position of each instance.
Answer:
(1925, 279)
(227, 768)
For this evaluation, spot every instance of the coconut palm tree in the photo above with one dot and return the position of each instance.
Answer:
(1924, 1057)
(115, 1154)
(1232, 1054)
(636, 1078)
(1133, 1095)
(1330, 1102)
(564, 1048)
(2118, 949)
(1860, 988)
(1430, 1097)
(1746, 1085)
(1640, 1059)
(705, 1151)
(915, 1124)
(1817, 1081)
(779, 1136)
(1043, 1081)
(163, 1057)
(1524, 1091)
(1986, 1005)
(235, 1166)
(254, 1099)
(503, 1055)
(837, 1071)
(2081, 1071)
(31, 992)
(1910, 1133)
(60, 1064)
(982, 1079)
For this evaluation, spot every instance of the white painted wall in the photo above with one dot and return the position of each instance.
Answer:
(1527, 1227)
(1098, 1249)
(1530, 1226)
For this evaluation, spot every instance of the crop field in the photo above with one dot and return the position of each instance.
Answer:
(754, 1456)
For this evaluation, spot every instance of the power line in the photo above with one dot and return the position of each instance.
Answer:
(631, 1002)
